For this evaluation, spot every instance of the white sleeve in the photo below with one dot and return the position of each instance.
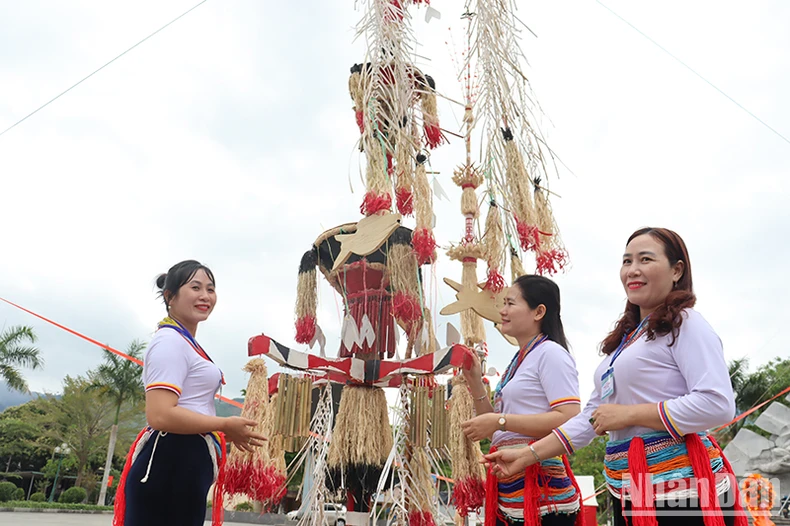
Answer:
(166, 365)
(558, 376)
(577, 432)
(710, 401)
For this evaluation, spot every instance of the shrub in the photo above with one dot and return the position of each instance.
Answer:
(7, 490)
(19, 494)
(38, 497)
(243, 506)
(73, 495)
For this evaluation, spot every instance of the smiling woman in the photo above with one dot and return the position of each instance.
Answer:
(661, 385)
(174, 460)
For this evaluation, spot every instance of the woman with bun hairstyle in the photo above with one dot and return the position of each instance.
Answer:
(663, 382)
(181, 452)
(538, 391)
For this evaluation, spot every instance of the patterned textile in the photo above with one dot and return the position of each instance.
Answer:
(668, 463)
(556, 490)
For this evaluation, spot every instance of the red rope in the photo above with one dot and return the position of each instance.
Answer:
(103, 346)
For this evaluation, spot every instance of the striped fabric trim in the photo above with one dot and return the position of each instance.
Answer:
(565, 439)
(567, 400)
(163, 385)
(668, 422)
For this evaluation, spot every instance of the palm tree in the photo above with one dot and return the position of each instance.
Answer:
(121, 381)
(14, 354)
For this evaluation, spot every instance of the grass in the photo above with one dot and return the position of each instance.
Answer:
(53, 506)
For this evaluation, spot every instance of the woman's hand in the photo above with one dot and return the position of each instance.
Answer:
(239, 431)
(472, 370)
(611, 417)
(507, 462)
(480, 427)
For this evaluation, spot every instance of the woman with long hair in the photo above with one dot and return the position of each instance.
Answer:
(663, 382)
(538, 392)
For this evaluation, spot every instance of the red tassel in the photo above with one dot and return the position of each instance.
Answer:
(360, 121)
(492, 495)
(267, 484)
(700, 464)
(495, 282)
(468, 494)
(433, 135)
(217, 508)
(550, 261)
(579, 516)
(405, 307)
(373, 203)
(528, 236)
(119, 510)
(237, 476)
(740, 513)
(421, 518)
(405, 201)
(642, 505)
(531, 496)
(424, 245)
(305, 329)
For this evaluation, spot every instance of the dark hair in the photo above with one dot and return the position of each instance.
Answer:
(179, 275)
(539, 290)
(666, 319)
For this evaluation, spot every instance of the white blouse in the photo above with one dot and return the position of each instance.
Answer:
(689, 382)
(171, 363)
(547, 378)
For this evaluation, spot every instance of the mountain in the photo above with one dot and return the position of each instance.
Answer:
(10, 398)
(224, 409)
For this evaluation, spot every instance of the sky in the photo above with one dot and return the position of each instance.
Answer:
(230, 138)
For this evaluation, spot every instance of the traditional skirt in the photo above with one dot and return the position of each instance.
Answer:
(548, 487)
(657, 470)
(166, 480)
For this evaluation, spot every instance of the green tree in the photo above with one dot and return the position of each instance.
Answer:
(14, 353)
(80, 418)
(16, 439)
(120, 381)
(21, 437)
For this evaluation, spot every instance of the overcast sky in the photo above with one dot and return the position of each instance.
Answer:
(230, 138)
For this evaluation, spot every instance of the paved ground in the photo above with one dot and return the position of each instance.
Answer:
(63, 519)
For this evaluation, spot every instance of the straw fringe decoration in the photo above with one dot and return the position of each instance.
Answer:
(433, 133)
(403, 273)
(357, 92)
(404, 173)
(472, 326)
(256, 474)
(493, 243)
(420, 513)
(551, 256)
(422, 240)
(468, 472)
(469, 179)
(516, 268)
(361, 440)
(378, 196)
(306, 297)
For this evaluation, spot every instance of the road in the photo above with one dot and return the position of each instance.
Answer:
(64, 519)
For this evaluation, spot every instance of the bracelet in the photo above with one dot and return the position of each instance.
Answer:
(481, 397)
(534, 453)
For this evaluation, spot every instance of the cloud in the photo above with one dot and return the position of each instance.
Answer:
(229, 137)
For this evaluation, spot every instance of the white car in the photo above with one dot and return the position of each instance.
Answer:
(334, 514)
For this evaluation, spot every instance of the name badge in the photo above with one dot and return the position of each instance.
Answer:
(607, 383)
